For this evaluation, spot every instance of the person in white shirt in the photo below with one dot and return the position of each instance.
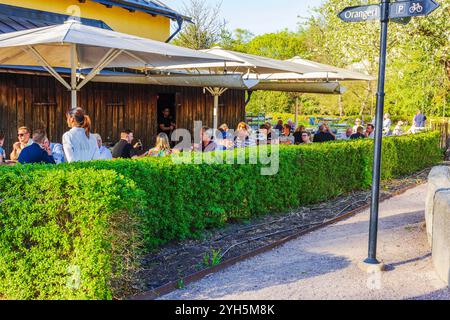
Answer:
(105, 154)
(286, 137)
(79, 144)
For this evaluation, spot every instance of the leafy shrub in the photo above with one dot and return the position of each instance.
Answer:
(183, 200)
(65, 234)
(82, 217)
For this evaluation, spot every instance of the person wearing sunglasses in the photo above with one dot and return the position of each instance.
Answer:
(23, 135)
(39, 151)
(306, 138)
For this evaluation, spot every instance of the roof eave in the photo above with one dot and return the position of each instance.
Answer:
(171, 14)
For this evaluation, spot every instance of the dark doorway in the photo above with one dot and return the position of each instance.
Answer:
(167, 100)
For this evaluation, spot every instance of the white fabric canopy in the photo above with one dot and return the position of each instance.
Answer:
(92, 44)
(334, 73)
(245, 64)
(77, 46)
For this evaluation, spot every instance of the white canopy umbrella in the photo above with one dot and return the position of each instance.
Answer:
(247, 65)
(77, 46)
(332, 73)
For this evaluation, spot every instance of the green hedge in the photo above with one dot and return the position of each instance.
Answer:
(66, 234)
(93, 216)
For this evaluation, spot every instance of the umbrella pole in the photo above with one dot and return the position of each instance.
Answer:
(216, 111)
(73, 82)
(216, 93)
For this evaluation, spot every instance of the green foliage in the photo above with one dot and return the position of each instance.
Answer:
(182, 200)
(65, 233)
(88, 219)
(418, 68)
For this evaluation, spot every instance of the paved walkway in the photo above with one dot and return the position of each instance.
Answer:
(323, 264)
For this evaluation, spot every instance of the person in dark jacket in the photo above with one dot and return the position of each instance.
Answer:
(37, 152)
(359, 134)
(324, 135)
(124, 149)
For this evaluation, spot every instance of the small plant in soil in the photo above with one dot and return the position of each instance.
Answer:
(212, 259)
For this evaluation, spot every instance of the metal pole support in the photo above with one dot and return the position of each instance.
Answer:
(373, 234)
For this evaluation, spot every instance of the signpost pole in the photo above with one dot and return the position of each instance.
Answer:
(373, 235)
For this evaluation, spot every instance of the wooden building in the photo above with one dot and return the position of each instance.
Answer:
(30, 97)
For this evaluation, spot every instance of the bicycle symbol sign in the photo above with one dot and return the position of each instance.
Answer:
(404, 9)
(415, 7)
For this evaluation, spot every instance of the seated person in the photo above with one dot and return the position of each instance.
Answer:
(208, 144)
(225, 131)
(105, 154)
(387, 123)
(398, 131)
(162, 147)
(358, 123)
(262, 135)
(243, 137)
(279, 126)
(370, 131)
(138, 147)
(57, 151)
(23, 134)
(359, 134)
(124, 149)
(225, 138)
(347, 134)
(286, 138)
(2, 151)
(37, 152)
(324, 135)
(298, 134)
(306, 138)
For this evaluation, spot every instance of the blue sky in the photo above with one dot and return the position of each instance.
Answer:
(260, 16)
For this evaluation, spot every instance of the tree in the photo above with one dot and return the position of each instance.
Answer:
(418, 57)
(207, 27)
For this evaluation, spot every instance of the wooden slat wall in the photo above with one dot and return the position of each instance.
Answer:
(41, 102)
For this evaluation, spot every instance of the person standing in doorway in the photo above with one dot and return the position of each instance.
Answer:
(166, 123)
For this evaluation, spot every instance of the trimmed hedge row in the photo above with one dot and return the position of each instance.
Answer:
(66, 234)
(91, 217)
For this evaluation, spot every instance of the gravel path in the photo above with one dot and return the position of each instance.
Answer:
(323, 264)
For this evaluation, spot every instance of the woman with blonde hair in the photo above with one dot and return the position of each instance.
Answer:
(78, 143)
(243, 137)
(162, 147)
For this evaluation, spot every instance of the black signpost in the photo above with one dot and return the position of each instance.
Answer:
(384, 12)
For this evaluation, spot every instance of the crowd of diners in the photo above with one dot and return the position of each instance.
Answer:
(80, 144)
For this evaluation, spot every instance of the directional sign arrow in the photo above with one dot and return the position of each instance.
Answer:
(403, 9)
(361, 13)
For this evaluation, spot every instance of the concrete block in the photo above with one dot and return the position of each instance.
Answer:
(438, 179)
(441, 235)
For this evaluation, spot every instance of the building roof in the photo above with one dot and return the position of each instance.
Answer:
(16, 19)
(153, 7)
